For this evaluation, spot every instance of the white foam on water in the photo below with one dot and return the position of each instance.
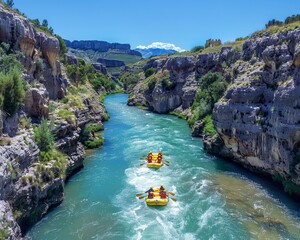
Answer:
(189, 236)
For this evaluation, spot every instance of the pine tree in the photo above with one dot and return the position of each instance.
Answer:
(43, 137)
(10, 3)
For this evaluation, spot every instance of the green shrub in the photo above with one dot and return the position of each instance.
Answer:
(62, 45)
(4, 141)
(67, 115)
(197, 49)
(86, 132)
(25, 122)
(149, 72)
(129, 79)
(212, 88)
(209, 128)
(73, 100)
(167, 84)
(12, 91)
(151, 84)
(95, 143)
(43, 137)
(60, 162)
(4, 234)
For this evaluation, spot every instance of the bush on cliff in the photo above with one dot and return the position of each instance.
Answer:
(91, 137)
(12, 87)
(83, 72)
(197, 49)
(212, 88)
(149, 72)
(43, 137)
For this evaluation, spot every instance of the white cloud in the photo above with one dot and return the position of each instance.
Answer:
(161, 45)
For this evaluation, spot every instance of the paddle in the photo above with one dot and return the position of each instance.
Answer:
(143, 158)
(142, 164)
(173, 194)
(167, 164)
(139, 194)
(166, 161)
(174, 199)
(141, 197)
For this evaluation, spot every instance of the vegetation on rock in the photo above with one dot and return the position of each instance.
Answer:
(83, 72)
(211, 89)
(12, 87)
(43, 137)
(90, 136)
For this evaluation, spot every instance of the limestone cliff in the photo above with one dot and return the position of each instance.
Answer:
(257, 120)
(29, 187)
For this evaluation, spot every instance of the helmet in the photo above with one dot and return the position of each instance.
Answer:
(151, 187)
(161, 185)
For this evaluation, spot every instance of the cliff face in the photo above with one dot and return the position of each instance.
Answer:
(258, 118)
(177, 79)
(101, 46)
(110, 63)
(29, 187)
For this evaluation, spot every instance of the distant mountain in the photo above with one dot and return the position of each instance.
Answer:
(158, 48)
(111, 54)
(154, 51)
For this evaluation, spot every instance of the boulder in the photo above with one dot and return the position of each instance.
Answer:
(11, 125)
(50, 49)
(100, 68)
(36, 103)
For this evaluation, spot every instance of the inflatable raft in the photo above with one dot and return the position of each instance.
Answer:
(155, 160)
(158, 199)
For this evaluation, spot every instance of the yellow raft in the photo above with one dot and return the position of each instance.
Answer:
(156, 160)
(157, 200)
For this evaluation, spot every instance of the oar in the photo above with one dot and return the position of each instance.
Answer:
(166, 161)
(140, 194)
(173, 194)
(142, 164)
(143, 158)
(166, 154)
(141, 197)
(174, 199)
(167, 164)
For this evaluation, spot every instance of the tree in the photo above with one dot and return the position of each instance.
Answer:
(10, 3)
(51, 30)
(149, 72)
(43, 137)
(13, 91)
(45, 23)
(62, 45)
(274, 22)
(36, 22)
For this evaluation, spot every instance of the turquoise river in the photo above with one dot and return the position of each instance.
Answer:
(215, 198)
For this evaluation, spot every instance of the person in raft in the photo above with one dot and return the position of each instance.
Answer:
(163, 194)
(161, 189)
(150, 193)
(149, 157)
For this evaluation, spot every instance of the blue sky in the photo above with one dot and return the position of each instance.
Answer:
(186, 23)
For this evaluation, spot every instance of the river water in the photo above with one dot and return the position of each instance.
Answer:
(215, 199)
